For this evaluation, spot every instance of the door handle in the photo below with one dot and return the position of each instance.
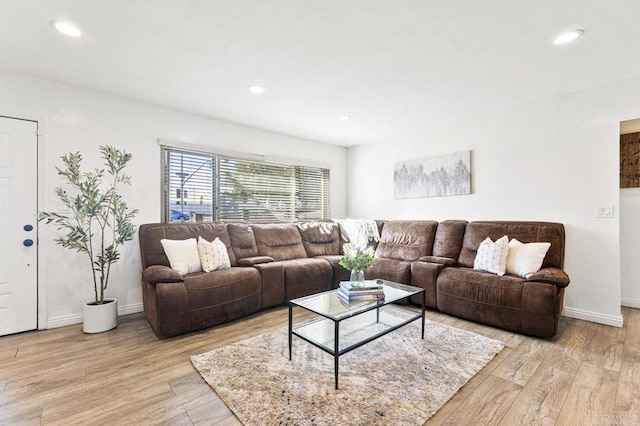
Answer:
(27, 243)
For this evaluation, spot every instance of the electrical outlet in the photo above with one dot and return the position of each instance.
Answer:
(604, 212)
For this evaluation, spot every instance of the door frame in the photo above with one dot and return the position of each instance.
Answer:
(41, 201)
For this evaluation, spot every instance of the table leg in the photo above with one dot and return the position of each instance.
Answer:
(291, 329)
(423, 304)
(336, 348)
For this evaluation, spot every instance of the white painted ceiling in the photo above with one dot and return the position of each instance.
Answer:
(395, 66)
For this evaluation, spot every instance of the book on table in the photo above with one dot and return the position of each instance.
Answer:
(346, 299)
(368, 285)
(371, 291)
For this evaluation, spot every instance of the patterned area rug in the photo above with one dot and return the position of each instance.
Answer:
(396, 379)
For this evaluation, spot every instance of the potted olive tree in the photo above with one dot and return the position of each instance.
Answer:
(97, 223)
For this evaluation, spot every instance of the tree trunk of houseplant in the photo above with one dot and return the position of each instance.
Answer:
(100, 317)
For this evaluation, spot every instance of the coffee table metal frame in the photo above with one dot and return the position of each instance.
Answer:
(339, 311)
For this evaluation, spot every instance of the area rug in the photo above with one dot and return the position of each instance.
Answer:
(396, 379)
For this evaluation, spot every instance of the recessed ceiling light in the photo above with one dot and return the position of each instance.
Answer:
(344, 117)
(66, 28)
(568, 36)
(256, 89)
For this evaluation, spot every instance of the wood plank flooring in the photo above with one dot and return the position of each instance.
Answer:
(588, 374)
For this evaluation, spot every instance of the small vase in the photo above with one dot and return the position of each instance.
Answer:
(357, 278)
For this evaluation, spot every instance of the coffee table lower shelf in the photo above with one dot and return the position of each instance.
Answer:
(340, 336)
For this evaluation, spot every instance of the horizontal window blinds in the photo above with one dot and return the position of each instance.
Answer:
(206, 187)
(189, 186)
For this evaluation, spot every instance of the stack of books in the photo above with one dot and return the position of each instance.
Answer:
(371, 290)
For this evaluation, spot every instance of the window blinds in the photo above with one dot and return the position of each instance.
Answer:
(206, 187)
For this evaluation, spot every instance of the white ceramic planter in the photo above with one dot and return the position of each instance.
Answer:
(99, 318)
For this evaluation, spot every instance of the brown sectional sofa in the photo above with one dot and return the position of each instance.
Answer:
(273, 263)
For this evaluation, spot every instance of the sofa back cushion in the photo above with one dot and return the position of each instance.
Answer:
(406, 240)
(449, 237)
(279, 241)
(243, 240)
(320, 238)
(150, 234)
(526, 232)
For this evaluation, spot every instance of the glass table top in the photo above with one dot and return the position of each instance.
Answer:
(330, 305)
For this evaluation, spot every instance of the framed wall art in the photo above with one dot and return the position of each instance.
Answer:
(438, 176)
(630, 160)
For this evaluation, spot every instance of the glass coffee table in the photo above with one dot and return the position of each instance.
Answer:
(340, 327)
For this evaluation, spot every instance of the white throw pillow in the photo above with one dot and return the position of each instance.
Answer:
(213, 255)
(492, 257)
(526, 259)
(182, 254)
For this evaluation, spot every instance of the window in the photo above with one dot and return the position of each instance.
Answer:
(211, 187)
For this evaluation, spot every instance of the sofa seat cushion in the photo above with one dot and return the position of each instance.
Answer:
(306, 276)
(389, 269)
(222, 295)
(481, 296)
(339, 272)
(482, 287)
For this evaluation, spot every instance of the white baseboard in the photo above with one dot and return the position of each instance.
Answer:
(77, 318)
(134, 308)
(64, 320)
(612, 320)
(629, 302)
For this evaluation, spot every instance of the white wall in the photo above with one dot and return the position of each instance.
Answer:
(630, 235)
(73, 119)
(552, 160)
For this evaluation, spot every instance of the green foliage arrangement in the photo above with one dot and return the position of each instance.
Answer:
(356, 260)
(99, 221)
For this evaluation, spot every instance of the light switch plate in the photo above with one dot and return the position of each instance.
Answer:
(604, 212)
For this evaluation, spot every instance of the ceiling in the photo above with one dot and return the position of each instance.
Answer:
(394, 66)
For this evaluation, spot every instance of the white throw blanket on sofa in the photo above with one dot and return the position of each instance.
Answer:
(359, 232)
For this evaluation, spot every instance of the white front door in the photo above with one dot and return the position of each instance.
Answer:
(18, 225)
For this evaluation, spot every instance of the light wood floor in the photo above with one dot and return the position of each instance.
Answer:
(588, 374)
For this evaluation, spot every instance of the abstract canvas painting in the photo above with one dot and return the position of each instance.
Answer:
(448, 174)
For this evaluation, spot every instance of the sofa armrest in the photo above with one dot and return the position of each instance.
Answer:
(255, 260)
(161, 274)
(446, 261)
(552, 276)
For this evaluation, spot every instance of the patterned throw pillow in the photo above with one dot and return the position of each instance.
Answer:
(182, 254)
(213, 255)
(526, 259)
(492, 257)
